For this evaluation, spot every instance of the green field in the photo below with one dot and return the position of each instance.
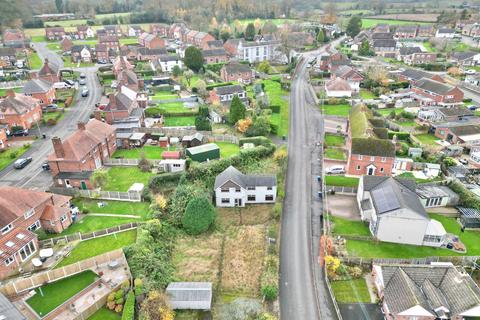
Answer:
(150, 152)
(341, 181)
(79, 22)
(11, 154)
(121, 179)
(334, 140)
(351, 291)
(341, 110)
(91, 248)
(227, 149)
(179, 121)
(369, 23)
(52, 295)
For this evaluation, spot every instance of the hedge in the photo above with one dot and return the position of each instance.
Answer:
(257, 141)
(398, 85)
(275, 108)
(377, 122)
(129, 307)
(107, 76)
(467, 198)
(215, 67)
(223, 84)
(381, 133)
(400, 135)
(159, 181)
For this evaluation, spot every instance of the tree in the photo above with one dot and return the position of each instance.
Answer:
(260, 127)
(143, 164)
(201, 88)
(59, 5)
(269, 27)
(244, 124)
(199, 216)
(364, 49)
(354, 26)
(464, 14)
(224, 35)
(156, 307)
(99, 177)
(202, 122)
(320, 36)
(178, 201)
(237, 110)
(176, 71)
(449, 161)
(188, 76)
(265, 67)
(332, 264)
(250, 32)
(213, 24)
(193, 58)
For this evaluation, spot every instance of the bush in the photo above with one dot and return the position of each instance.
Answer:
(275, 108)
(400, 135)
(257, 141)
(277, 211)
(129, 307)
(159, 181)
(467, 198)
(270, 292)
(199, 216)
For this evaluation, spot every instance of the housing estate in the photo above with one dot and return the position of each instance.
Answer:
(18, 110)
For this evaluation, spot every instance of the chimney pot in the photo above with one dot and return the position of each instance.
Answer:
(81, 125)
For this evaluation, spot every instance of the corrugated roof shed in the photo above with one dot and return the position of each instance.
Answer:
(190, 295)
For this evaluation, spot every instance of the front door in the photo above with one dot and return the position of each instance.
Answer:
(84, 185)
(67, 183)
(371, 171)
(238, 202)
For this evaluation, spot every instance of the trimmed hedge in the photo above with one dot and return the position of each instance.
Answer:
(377, 122)
(381, 133)
(257, 141)
(129, 307)
(400, 135)
(467, 198)
(223, 84)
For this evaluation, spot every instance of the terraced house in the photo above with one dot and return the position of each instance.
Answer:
(55, 33)
(23, 212)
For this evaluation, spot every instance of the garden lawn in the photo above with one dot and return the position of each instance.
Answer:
(277, 96)
(94, 247)
(3, 92)
(56, 293)
(470, 238)
(127, 41)
(386, 111)
(163, 95)
(349, 227)
(369, 23)
(351, 291)
(341, 110)
(90, 43)
(53, 46)
(38, 38)
(11, 154)
(174, 107)
(428, 46)
(341, 181)
(115, 207)
(227, 149)
(366, 94)
(408, 123)
(335, 153)
(34, 61)
(121, 178)
(427, 139)
(179, 121)
(105, 314)
(334, 140)
(409, 175)
(56, 115)
(150, 152)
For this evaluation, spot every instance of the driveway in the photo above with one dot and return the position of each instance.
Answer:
(343, 206)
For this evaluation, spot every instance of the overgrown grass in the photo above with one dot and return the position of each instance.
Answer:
(91, 248)
(51, 295)
(386, 111)
(121, 179)
(335, 153)
(351, 291)
(341, 181)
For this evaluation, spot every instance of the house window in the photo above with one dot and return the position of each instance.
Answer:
(9, 260)
(360, 157)
(269, 188)
(29, 213)
(27, 251)
(225, 200)
(237, 189)
(381, 170)
(372, 158)
(7, 228)
(225, 190)
(34, 226)
(269, 197)
(250, 188)
(63, 218)
(251, 198)
(358, 167)
(384, 159)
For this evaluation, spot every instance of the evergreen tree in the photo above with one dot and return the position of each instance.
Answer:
(193, 58)
(354, 26)
(320, 36)
(237, 110)
(250, 32)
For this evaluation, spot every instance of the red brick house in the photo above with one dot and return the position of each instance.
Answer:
(159, 29)
(145, 54)
(426, 31)
(55, 33)
(120, 64)
(122, 105)
(235, 71)
(415, 56)
(3, 137)
(151, 41)
(49, 72)
(103, 54)
(371, 156)
(459, 133)
(23, 212)
(19, 110)
(441, 93)
(111, 42)
(41, 90)
(406, 32)
(129, 79)
(15, 38)
(201, 39)
(331, 62)
(85, 32)
(74, 159)
(66, 44)
(412, 75)
(110, 30)
(211, 56)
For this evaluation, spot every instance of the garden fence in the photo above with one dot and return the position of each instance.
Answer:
(21, 285)
(396, 127)
(132, 196)
(12, 84)
(188, 99)
(113, 162)
(87, 236)
(342, 190)
(180, 132)
(455, 260)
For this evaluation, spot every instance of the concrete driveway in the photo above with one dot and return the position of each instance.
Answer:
(343, 206)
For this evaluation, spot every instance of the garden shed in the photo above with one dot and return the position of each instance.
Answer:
(470, 217)
(190, 295)
(204, 152)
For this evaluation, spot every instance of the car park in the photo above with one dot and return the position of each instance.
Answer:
(22, 162)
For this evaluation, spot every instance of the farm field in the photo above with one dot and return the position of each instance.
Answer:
(414, 17)
(370, 23)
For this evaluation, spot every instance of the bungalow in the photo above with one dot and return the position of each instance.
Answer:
(349, 74)
(445, 33)
(151, 41)
(440, 93)
(41, 90)
(81, 53)
(433, 195)
(436, 114)
(218, 55)
(427, 292)
(370, 156)
(168, 62)
(338, 88)
(74, 159)
(55, 33)
(385, 47)
(111, 42)
(235, 71)
(412, 75)
(23, 212)
(49, 72)
(134, 31)
(465, 59)
(159, 29)
(66, 44)
(406, 32)
(8, 57)
(225, 94)
(18, 110)
(85, 32)
(235, 189)
(458, 133)
(395, 214)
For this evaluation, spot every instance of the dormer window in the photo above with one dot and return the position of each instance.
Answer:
(7, 228)
(9, 244)
(29, 213)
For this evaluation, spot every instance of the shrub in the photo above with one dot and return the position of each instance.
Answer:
(270, 292)
(199, 216)
(277, 211)
(257, 141)
(400, 135)
(159, 181)
(129, 307)
(275, 108)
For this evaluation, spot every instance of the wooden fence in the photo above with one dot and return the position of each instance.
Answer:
(112, 162)
(131, 196)
(180, 132)
(22, 285)
(87, 236)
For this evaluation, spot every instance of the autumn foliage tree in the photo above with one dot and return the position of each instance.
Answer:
(156, 307)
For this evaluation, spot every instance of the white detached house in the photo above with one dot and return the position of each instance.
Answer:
(235, 189)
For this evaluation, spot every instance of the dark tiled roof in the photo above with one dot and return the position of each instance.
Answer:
(415, 74)
(244, 180)
(455, 111)
(214, 52)
(382, 36)
(236, 88)
(404, 51)
(384, 43)
(215, 44)
(235, 67)
(373, 147)
(465, 130)
(433, 86)
(463, 55)
(7, 51)
(36, 86)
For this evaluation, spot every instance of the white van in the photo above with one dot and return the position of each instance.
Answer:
(335, 170)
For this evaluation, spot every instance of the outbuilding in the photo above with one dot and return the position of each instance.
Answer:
(204, 152)
(190, 295)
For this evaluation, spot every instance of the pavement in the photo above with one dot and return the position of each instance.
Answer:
(303, 291)
(32, 176)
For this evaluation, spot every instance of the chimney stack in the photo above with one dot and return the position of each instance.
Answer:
(98, 115)
(111, 98)
(58, 147)
(81, 125)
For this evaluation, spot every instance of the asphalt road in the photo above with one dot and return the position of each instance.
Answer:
(32, 176)
(303, 292)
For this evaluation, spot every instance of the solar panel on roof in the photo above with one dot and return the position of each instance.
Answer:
(385, 199)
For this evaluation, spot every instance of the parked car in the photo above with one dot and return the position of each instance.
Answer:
(19, 133)
(46, 166)
(463, 161)
(22, 162)
(50, 107)
(472, 107)
(335, 170)
(83, 75)
(82, 82)
(69, 82)
(85, 92)
(470, 71)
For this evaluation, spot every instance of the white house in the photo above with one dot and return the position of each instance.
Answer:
(86, 55)
(395, 214)
(473, 79)
(235, 189)
(168, 62)
(259, 50)
(338, 88)
(433, 195)
(445, 33)
(134, 31)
